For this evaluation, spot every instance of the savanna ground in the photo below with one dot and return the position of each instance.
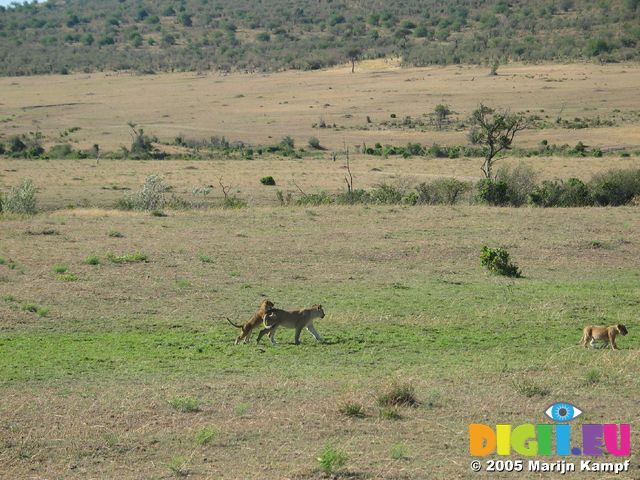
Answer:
(92, 381)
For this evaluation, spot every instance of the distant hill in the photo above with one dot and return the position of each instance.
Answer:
(61, 36)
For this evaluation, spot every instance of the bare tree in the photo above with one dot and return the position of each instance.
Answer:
(495, 131)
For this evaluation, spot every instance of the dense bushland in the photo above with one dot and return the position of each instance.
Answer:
(196, 35)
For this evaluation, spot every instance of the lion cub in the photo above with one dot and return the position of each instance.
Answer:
(298, 319)
(592, 333)
(265, 308)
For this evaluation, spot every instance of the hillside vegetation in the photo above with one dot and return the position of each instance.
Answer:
(194, 35)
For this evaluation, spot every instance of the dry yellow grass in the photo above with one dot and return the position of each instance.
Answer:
(85, 183)
(261, 108)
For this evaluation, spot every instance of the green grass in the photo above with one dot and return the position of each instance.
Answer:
(68, 277)
(205, 436)
(185, 404)
(60, 268)
(127, 258)
(92, 260)
(398, 452)
(485, 327)
(332, 458)
(205, 258)
(352, 409)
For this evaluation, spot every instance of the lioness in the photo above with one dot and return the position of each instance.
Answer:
(298, 319)
(592, 333)
(265, 307)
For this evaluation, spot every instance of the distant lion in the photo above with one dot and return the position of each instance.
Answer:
(593, 333)
(298, 319)
(265, 308)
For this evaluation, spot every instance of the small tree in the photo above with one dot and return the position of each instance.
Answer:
(353, 54)
(494, 131)
(442, 111)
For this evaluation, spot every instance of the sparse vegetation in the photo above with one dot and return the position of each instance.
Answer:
(390, 413)
(530, 389)
(127, 258)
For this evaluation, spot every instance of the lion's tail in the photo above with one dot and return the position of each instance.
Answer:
(233, 324)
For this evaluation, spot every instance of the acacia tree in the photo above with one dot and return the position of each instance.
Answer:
(442, 111)
(353, 54)
(495, 131)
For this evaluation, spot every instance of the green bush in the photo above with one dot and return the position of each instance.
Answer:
(353, 197)
(556, 193)
(386, 194)
(315, 143)
(267, 180)
(315, 199)
(21, 199)
(520, 181)
(493, 192)
(496, 260)
(616, 187)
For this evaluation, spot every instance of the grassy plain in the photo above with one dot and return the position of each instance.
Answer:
(86, 388)
(114, 369)
(262, 108)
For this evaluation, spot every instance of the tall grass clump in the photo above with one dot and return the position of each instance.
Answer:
(331, 459)
(398, 395)
(20, 199)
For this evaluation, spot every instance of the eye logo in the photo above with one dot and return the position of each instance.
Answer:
(562, 412)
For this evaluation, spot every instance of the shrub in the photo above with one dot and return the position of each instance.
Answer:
(520, 181)
(59, 268)
(441, 191)
(267, 180)
(234, 202)
(386, 194)
(315, 143)
(21, 199)
(398, 396)
(315, 199)
(556, 193)
(352, 197)
(331, 459)
(150, 197)
(284, 199)
(616, 187)
(92, 260)
(496, 260)
(492, 192)
(185, 404)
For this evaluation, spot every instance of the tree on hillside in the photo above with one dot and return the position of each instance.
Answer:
(495, 132)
